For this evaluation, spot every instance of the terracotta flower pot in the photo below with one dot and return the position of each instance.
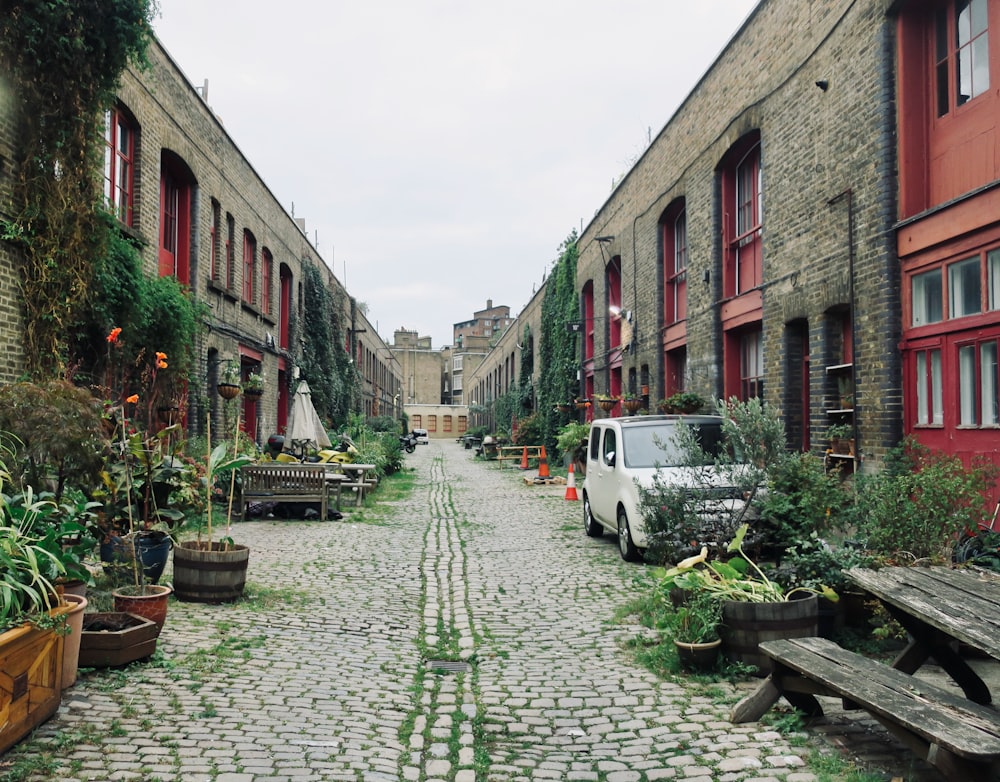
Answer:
(71, 645)
(149, 600)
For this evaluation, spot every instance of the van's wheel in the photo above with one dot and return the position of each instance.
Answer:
(590, 525)
(625, 545)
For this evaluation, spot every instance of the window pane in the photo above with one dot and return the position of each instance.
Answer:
(921, 386)
(993, 278)
(963, 288)
(989, 403)
(937, 409)
(680, 242)
(980, 65)
(963, 75)
(967, 385)
(927, 299)
(979, 15)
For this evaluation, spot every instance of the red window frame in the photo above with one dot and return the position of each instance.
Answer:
(266, 281)
(175, 220)
(213, 250)
(249, 266)
(230, 252)
(961, 36)
(675, 369)
(751, 364)
(743, 208)
(674, 237)
(119, 164)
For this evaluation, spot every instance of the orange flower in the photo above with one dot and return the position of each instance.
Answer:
(132, 399)
(113, 336)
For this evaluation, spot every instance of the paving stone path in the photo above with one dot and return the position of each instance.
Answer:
(467, 634)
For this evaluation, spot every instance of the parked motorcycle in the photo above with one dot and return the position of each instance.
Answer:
(408, 441)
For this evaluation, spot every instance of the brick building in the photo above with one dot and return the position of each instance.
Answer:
(498, 368)
(749, 251)
(179, 184)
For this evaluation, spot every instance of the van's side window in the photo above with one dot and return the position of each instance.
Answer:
(610, 446)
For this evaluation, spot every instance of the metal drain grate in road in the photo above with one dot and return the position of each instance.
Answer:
(449, 666)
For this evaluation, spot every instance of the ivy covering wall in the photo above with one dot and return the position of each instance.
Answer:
(326, 366)
(558, 350)
(64, 59)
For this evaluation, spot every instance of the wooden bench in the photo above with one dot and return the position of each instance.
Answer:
(289, 482)
(515, 453)
(959, 737)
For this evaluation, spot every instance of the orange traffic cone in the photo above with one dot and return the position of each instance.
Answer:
(571, 484)
(524, 459)
(543, 465)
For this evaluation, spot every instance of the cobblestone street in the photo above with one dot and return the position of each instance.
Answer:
(467, 634)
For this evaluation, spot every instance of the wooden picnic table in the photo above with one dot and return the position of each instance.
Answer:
(938, 606)
(359, 477)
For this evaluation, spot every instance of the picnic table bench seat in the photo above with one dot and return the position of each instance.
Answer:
(515, 453)
(289, 482)
(959, 737)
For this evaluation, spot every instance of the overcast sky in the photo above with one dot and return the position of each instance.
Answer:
(441, 150)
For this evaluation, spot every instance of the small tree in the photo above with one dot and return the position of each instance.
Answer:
(752, 444)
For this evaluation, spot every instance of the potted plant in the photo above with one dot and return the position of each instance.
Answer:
(631, 402)
(681, 402)
(32, 614)
(572, 441)
(606, 402)
(695, 629)
(755, 608)
(206, 570)
(230, 380)
(253, 385)
(841, 438)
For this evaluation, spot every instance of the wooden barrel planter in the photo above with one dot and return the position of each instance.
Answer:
(209, 575)
(745, 625)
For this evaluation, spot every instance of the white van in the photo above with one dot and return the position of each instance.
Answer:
(624, 454)
(422, 437)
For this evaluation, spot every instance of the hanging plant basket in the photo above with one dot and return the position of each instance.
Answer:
(253, 393)
(582, 404)
(607, 405)
(228, 390)
(632, 405)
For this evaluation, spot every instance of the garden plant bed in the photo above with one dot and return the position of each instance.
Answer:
(116, 638)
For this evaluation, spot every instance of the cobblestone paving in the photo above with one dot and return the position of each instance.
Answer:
(465, 635)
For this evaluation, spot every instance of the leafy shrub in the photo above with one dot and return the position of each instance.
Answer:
(57, 434)
(802, 498)
(529, 430)
(919, 504)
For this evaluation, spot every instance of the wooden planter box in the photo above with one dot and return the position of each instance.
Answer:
(116, 638)
(31, 666)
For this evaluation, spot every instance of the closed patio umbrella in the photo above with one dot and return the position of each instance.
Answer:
(305, 428)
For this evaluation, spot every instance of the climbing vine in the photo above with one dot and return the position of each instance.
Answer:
(558, 354)
(325, 364)
(64, 59)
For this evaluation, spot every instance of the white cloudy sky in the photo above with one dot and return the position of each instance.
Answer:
(441, 150)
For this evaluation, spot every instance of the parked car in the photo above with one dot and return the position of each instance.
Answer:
(422, 437)
(626, 453)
